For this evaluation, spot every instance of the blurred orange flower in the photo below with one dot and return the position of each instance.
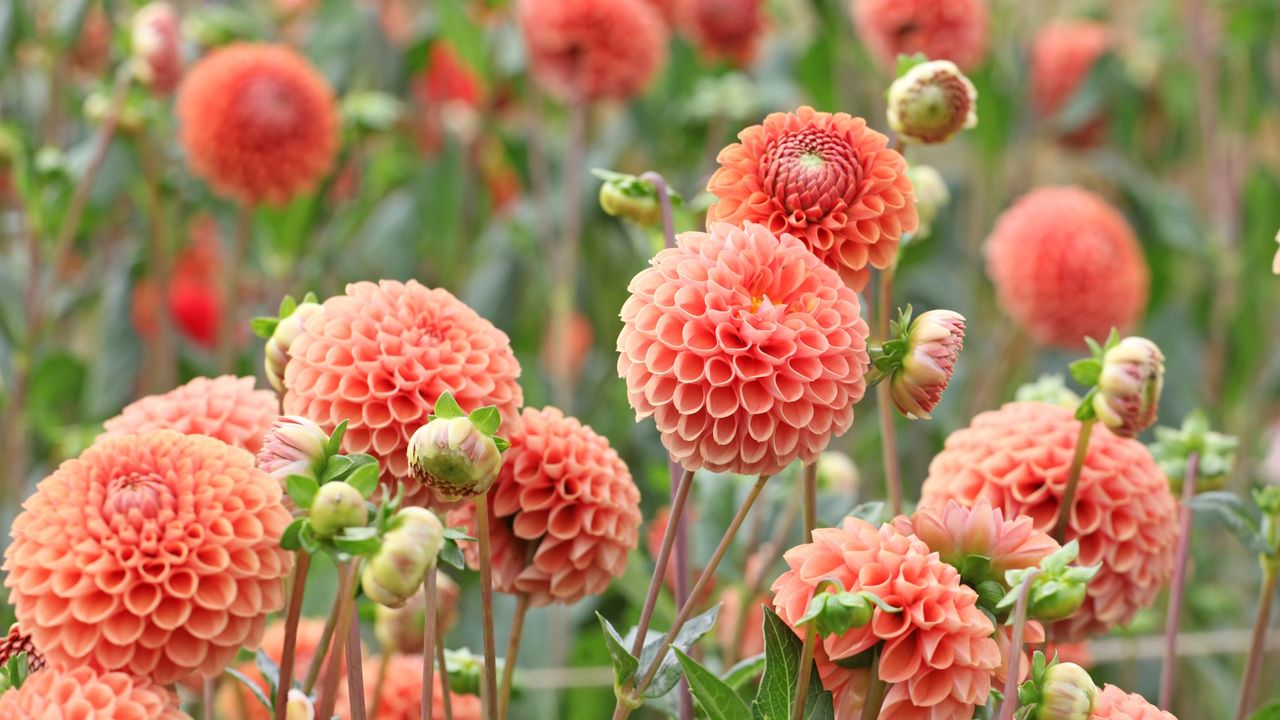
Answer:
(84, 694)
(227, 408)
(954, 30)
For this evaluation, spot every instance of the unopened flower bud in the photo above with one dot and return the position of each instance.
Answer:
(276, 352)
(836, 614)
(1129, 387)
(465, 671)
(396, 571)
(1056, 601)
(337, 506)
(639, 206)
(932, 195)
(293, 446)
(837, 472)
(299, 706)
(1068, 693)
(931, 102)
(455, 457)
(157, 51)
(934, 341)
(424, 527)
(400, 630)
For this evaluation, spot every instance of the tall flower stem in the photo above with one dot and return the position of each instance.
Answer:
(1257, 643)
(444, 676)
(343, 611)
(490, 696)
(207, 698)
(804, 671)
(660, 563)
(430, 627)
(322, 648)
(513, 651)
(1073, 479)
(355, 668)
(875, 689)
(380, 681)
(1168, 672)
(769, 554)
(888, 433)
(1015, 646)
(293, 614)
(229, 274)
(160, 363)
(810, 499)
(565, 250)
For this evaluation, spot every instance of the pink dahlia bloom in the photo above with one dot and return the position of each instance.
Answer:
(748, 352)
(724, 29)
(1062, 57)
(380, 355)
(83, 693)
(955, 531)
(158, 554)
(1116, 704)
(227, 408)
(828, 179)
(954, 30)
(938, 653)
(1017, 458)
(565, 494)
(1066, 265)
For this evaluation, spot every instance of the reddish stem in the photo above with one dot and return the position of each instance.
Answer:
(1176, 591)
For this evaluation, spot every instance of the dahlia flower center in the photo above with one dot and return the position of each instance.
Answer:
(271, 106)
(811, 173)
(136, 494)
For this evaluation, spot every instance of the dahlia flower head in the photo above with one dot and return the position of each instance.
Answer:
(259, 123)
(564, 491)
(401, 696)
(957, 531)
(748, 352)
(1062, 56)
(235, 695)
(380, 355)
(1116, 704)
(938, 652)
(593, 49)
(157, 47)
(83, 693)
(1066, 265)
(828, 179)
(729, 30)
(227, 408)
(157, 554)
(1017, 458)
(954, 30)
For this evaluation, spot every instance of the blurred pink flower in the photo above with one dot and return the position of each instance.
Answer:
(85, 694)
(227, 408)
(1116, 704)
(954, 30)
(1062, 57)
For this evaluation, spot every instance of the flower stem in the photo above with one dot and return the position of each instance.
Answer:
(343, 611)
(292, 615)
(565, 251)
(804, 671)
(1168, 672)
(664, 201)
(875, 688)
(160, 348)
(888, 433)
(430, 620)
(447, 695)
(1257, 644)
(229, 273)
(490, 695)
(810, 499)
(1073, 479)
(513, 651)
(660, 562)
(1015, 647)
(355, 667)
(207, 697)
(322, 648)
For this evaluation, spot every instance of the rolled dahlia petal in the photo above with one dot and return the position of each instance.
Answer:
(565, 493)
(593, 49)
(227, 408)
(259, 122)
(1066, 266)
(401, 696)
(17, 642)
(954, 30)
(157, 554)
(724, 29)
(747, 351)
(828, 179)
(380, 355)
(86, 694)
(1124, 516)
(956, 531)
(1062, 57)
(1116, 704)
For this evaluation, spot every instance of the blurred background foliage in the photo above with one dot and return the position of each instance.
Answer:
(466, 199)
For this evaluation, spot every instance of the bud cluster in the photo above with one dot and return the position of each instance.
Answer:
(1215, 452)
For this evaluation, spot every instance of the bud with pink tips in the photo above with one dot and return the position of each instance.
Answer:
(920, 358)
(294, 446)
(157, 47)
(1129, 386)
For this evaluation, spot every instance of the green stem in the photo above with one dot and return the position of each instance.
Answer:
(430, 626)
(875, 688)
(229, 274)
(1168, 671)
(804, 670)
(1073, 479)
(333, 670)
(888, 433)
(810, 499)
(322, 648)
(380, 681)
(490, 696)
(513, 651)
(447, 694)
(660, 562)
(1015, 647)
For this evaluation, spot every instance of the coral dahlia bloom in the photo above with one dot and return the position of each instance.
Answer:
(593, 49)
(938, 653)
(1116, 704)
(380, 355)
(19, 642)
(748, 352)
(83, 693)
(227, 408)
(1062, 57)
(449, 94)
(401, 697)
(954, 30)
(724, 29)
(235, 696)
(828, 179)
(259, 122)
(1017, 458)
(566, 493)
(955, 531)
(1065, 265)
(158, 554)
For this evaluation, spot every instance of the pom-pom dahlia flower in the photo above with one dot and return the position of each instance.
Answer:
(380, 355)
(1018, 457)
(748, 352)
(828, 179)
(724, 29)
(227, 408)
(83, 693)
(401, 696)
(1116, 704)
(566, 493)
(158, 554)
(954, 30)
(1062, 57)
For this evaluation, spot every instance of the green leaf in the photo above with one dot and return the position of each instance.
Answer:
(457, 533)
(334, 445)
(254, 687)
(307, 538)
(502, 443)
(486, 419)
(302, 489)
(289, 538)
(287, 306)
(782, 660)
(452, 554)
(974, 568)
(624, 663)
(744, 671)
(336, 468)
(358, 541)
(1270, 711)
(1086, 372)
(364, 479)
(1238, 517)
(269, 670)
(669, 671)
(716, 698)
(447, 407)
(263, 326)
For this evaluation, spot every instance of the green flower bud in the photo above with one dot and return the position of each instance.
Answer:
(932, 196)
(931, 102)
(838, 473)
(455, 457)
(400, 629)
(1068, 693)
(1055, 600)
(639, 207)
(299, 706)
(837, 613)
(465, 671)
(424, 527)
(396, 571)
(337, 506)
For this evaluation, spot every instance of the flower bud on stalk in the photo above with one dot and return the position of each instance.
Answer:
(299, 706)
(933, 343)
(337, 506)
(454, 456)
(294, 446)
(932, 102)
(1129, 386)
(408, 552)
(276, 352)
(1068, 693)
(400, 629)
(157, 51)
(932, 196)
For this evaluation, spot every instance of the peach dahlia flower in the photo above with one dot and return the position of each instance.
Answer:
(82, 693)
(954, 30)
(1116, 704)
(1062, 57)
(227, 408)
(748, 352)
(401, 697)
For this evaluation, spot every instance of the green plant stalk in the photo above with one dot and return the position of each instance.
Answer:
(207, 698)
(380, 680)
(322, 648)
(444, 675)
(160, 349)
(344, 610)
(888, 433)
(1073, 479)
(875, 689)
(804, 671)
(1168, 671)
(565, 252)
(810, 499)
(430, 627)
(1257, 643)
(292, 615)
(1010, 704)
(490, 696)
(513, 651)
(660, 562)
(355, 667)
(228, 275)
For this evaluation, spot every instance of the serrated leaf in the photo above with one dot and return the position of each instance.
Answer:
(486, 419)
(744, 671)
(289, 538)
(782, 659)
(364, 479)
(624, 663)
(447, 407)
(302, 489)
(716, 698)
(254, 688)
(452, 554)
(264, 327)
(1235, 514)
(669, 671)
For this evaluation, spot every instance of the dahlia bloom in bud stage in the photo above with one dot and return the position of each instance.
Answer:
(828, 179)
(227, 408)
(938, 652)
(1062, 57)
(259, 122)
(1129, 388)
(728, 30)
(1067, 693)
(956, 532)
(1123, 516)
(157, 47)
(748, 352)
(336, 507)
(954, 30)
(454, 457)
(158, 554)
(932, 196)
(293, 446)
(401, 346)
(932, 102)
(396, 571)
(276, 351)
(564, 491)
(934, 340)
(1066, 266)
(86, 694)
(593, 49)
(1116, 704)
(399, 630)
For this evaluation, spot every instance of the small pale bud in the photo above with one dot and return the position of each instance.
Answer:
(424, 527)
(400, 630)
(1068, 693)
(1129, 387)
(337, 506)
(299, 706)
(396, 571)
(276, 352)
(293, 446)
(837, 472)
(934, 341)
(1059, 601)
(932, 195)
(641, 208)
(157, 47)
(931, 102)
(455, 457)
(836, 614)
